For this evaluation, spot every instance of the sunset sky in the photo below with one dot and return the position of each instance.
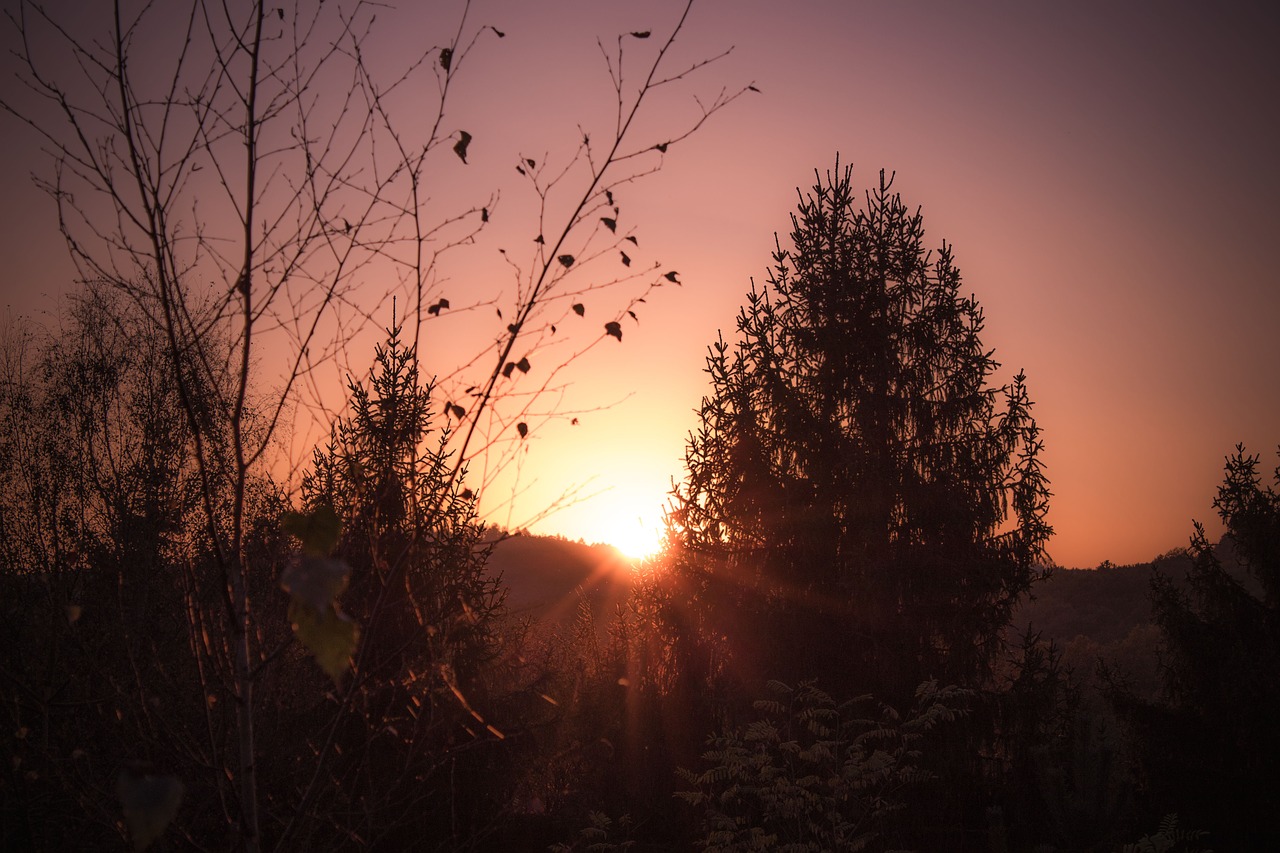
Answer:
(1106, 172)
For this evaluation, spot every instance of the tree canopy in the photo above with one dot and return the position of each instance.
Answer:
(1210, 750)
(856, 473)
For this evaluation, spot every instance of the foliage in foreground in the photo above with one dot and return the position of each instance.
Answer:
(601, 834)
(814, 775)
(1169, 837)
(112, 681)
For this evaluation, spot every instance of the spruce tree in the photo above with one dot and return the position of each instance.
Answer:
(1210, 750)
(862, 503)
(417, 725)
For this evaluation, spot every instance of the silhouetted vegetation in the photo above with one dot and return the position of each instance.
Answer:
(856, 481)
(811, 775)
(1209, 747)
(113, 675)
(837, 649)
(230, 210)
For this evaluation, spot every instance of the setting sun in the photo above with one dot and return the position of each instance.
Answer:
(627, 513)
(635, 536)
(625, 519)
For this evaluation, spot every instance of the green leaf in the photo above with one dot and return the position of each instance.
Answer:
(314, 584)
(318, 530)
(315, 581)
(150, 802)
(329, 635)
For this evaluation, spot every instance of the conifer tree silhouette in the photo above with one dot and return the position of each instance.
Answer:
(862, 503)
(1209, 751)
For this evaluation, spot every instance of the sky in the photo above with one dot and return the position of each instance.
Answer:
(1105, 173)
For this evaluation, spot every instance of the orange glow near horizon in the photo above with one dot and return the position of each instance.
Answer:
(627, 519)
(636, 539)
(1077, 197)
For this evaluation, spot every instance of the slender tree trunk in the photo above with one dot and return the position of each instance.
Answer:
(246, 767)
(240, 604)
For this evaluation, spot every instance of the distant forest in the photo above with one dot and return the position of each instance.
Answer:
(853, 638)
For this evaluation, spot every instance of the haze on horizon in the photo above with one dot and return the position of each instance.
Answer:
(1105, 175)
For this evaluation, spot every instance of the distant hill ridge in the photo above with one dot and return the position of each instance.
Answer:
(1105, 604)
(549, 577)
